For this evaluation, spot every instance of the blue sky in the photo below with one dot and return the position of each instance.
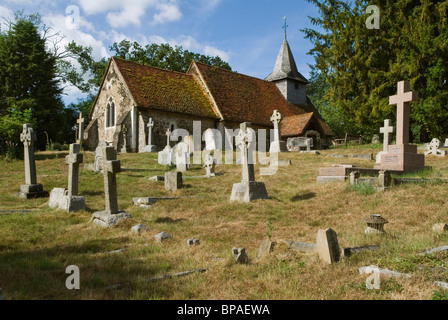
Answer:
(246, 33)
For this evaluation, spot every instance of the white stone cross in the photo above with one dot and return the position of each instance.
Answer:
(73, 160)
(28, 137)
(434, 148)
(168, 135)
(385, 131)
(80, 122)
(403, 99)
(276, 118)
(150, 125)
(243, 141)
(111, 166)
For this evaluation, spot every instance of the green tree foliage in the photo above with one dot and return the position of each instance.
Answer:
(11, 126)
(361, 66)
(28, 78)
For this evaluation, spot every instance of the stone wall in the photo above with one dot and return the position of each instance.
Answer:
(289, 91)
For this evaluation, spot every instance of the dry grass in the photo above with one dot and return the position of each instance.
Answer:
(35, 248)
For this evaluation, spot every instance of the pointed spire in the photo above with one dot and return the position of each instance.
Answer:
(285, 66)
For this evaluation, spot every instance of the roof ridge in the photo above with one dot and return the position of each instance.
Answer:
(149, 66)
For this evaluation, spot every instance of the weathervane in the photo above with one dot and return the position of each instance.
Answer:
(285, 26)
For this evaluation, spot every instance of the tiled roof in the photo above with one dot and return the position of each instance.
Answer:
(295, 125)
(165, 90)
(244, 98)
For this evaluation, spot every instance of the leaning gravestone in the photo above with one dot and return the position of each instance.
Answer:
(248, 189)
(328, 246)
(31, 189)
(111, 215)
(69, 199)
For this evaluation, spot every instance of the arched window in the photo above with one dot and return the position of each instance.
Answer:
(110, 113)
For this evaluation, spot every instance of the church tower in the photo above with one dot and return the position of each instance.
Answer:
(286, 76)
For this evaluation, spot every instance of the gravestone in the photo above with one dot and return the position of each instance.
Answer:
(162, 236)
(98, 162)
(31, 189)
(124, 131)
(193, 242)
(111, 215)
(211, 142)
(80, 123)
(300, 144)
(386, 130)
(182, 154)
(376, 139)
(165, 157)
(277, 145)
(209, 164)
(328, 246)
(240, 255)
(375, 225)
(173, 181)
(248, 189)
(69, 199)
(150, 147)
(402, 156)
(434, 149)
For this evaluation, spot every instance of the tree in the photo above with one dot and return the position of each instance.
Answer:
(28, 77)
(362, 66)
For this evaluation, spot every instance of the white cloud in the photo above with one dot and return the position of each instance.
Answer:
(131, 12)
(5, 13)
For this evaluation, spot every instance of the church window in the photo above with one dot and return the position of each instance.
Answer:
(110, 113)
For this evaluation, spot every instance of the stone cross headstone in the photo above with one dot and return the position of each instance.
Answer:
(402, 100)
(386, 130)
(111, 215)
(69, 199)
(168, 136)
(277, 145)
(248, 189)
(31, 189)
(434, 148)
(80, 123)
(402, 156)
(150, 147)
(328, 246)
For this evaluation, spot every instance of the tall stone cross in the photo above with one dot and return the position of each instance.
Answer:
(168, 135)
(285, 26)
(150, 126)
(111, 166)
(73, 160)
(403, 99)
(28, 137)
(385, 131)
(80, 123)
(276, 118)
(243, 141)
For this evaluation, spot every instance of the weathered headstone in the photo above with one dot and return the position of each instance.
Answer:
(434, 149)
(277, 144)
(193, 242)
(375, 225)
(31, 189)
(440, 228)
(402, 156)
(240, 255)
(248, 189)
(138, 228)
(124, 131)
(300, 143)
(162, 236)
(266, 247)
(165, 157)
(69, 199)
(209, 164)
(384, 179)
(182, 154)
(211, 142)
(98, 162)
(376, 139)
(328, 246)
(111, 215)
(173, 181)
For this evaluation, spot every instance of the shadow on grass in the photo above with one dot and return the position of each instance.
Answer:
(306, 196)
(50, 156)
(169, 220)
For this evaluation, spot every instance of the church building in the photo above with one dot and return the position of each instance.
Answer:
(132, 95)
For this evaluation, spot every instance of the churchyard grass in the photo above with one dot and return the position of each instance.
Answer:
(36, 247)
